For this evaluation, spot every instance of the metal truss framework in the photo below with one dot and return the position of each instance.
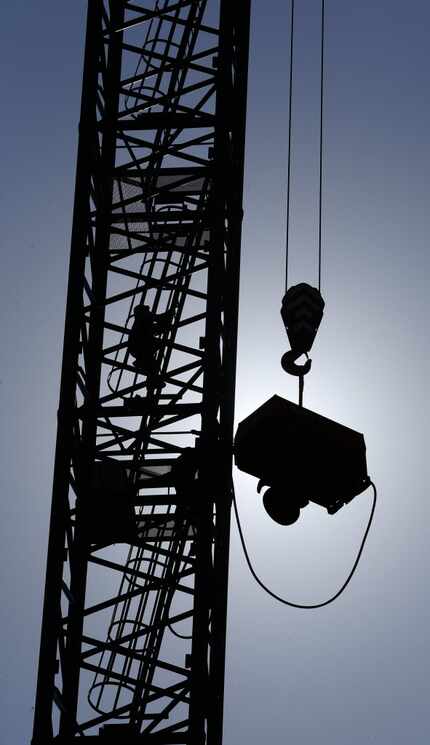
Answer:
(133, 632)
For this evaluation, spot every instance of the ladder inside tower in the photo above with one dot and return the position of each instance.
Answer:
(150, 403)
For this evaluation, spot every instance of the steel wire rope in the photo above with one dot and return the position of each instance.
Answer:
(290, 100)
(321, 144)
(282, 600)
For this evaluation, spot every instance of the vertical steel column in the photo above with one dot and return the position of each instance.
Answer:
(42, 729)
(104, 174)
(234, 51)
(209, 636)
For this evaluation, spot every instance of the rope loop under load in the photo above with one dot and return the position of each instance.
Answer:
(284, 601)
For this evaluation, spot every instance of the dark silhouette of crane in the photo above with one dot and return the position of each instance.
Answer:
(134, 619)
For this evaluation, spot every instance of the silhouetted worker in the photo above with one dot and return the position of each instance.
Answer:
(141, 341)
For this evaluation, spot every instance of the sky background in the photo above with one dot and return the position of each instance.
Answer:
(355, 672)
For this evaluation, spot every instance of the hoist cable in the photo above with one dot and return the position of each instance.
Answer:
(288, 602)
(321, 141)
(287, 228)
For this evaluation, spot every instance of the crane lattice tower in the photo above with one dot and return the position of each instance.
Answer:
(134, 619)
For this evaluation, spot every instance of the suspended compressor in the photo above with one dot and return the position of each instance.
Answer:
(303, 457)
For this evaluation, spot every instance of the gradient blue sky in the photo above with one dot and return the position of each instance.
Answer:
(355, 672)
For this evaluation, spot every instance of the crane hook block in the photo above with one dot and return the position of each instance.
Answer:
(301, 456)
(301, 311)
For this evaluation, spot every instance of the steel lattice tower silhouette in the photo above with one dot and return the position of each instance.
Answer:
(134, 620)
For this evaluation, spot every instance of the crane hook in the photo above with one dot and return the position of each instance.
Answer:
(288, 363)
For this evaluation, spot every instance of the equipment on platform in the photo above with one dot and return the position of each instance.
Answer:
(302, 456)
(182, 474)
(107, 510)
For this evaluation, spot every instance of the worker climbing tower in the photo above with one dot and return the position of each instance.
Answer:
(133, 631)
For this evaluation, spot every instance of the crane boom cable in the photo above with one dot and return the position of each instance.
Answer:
(321, 143)
(287, 229)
